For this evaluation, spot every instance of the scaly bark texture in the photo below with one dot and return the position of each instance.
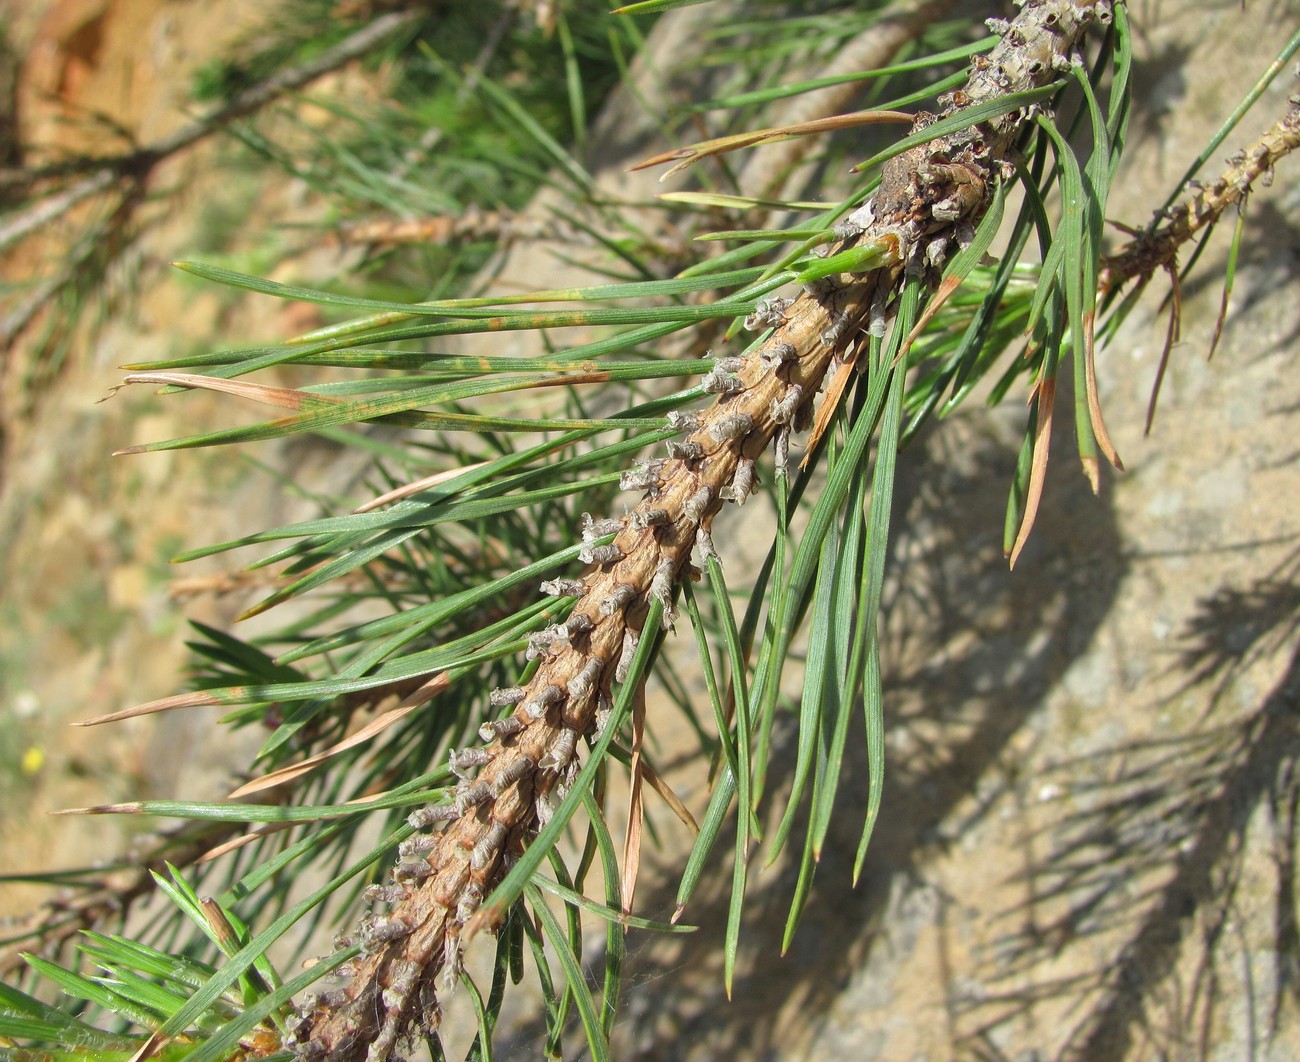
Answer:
(1158, 247)
(928, 202)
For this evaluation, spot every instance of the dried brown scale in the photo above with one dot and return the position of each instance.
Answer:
(926, 195)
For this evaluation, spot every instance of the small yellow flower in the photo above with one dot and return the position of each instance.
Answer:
(33, 759)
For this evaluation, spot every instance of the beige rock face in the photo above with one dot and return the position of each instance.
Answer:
(88, 624)
(1087, 848)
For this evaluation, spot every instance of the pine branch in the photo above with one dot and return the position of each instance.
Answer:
(1157, 248)
(502, 227)
(123, 179)
(928, 202)
(135, 165)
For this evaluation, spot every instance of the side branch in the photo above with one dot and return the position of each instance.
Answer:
(1158, 247)
(137, 164)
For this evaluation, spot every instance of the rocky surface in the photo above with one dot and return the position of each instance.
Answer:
(89, 613)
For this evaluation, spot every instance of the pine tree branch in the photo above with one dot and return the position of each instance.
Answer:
(134, 166)
(929, 199)
(123, 179)
(1158, 247)
(502, 227)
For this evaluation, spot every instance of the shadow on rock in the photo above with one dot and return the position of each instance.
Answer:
(1158, 853)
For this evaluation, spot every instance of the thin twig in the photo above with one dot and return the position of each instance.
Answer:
(1158, 247)
(55, 206)
(137, 164)
(497, 226)
(432, 136)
